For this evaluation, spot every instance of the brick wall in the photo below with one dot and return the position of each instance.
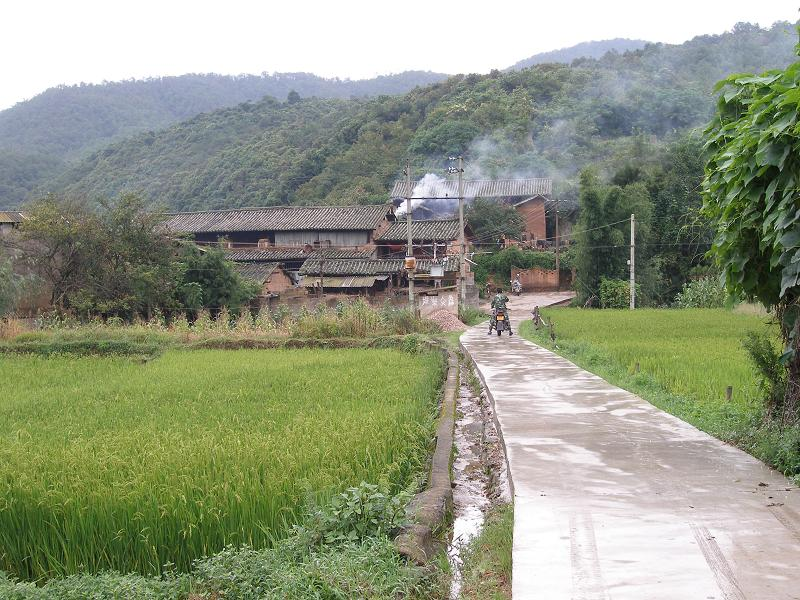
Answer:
(532, 212)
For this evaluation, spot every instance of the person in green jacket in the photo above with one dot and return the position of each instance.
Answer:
(499, 303)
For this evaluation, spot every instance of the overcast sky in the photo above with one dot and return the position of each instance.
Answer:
(47, 43)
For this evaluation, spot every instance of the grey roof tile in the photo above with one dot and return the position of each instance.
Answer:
(436, 230)
(483, 188)
(280, 218)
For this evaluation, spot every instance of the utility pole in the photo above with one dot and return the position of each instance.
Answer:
(462, 252)
(633, 272)
(410, 242)
(321, 277)
(461, 238)
(558, 251)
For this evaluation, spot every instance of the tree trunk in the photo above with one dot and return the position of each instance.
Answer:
(791, 401)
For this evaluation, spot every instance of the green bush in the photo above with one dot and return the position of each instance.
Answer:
(703, 293)
(472, 316)
(766, 359)
(356, 514)
(616, 293)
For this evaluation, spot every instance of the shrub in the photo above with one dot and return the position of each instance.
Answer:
(472, 316)
(766, 361)
(703, 293)
(360, 512)
(615, 293)
(203, 322)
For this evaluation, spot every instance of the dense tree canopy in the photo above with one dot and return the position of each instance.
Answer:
(40, 137)
(119, 261)
(549, 120)
(490, 221)
(751, 195)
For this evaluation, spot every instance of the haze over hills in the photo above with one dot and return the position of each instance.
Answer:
(180, 152)
(594, 49)
(40, 136)
(550, 119)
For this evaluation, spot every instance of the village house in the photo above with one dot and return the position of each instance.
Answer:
(269, 276)
(10, 220)
(531, 198)
(294, 253)
(430, 238)
(285, 226)
(375, 276)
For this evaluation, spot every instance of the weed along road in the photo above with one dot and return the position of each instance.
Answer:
(615, 499)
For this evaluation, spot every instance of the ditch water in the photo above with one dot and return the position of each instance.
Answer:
(480, 477)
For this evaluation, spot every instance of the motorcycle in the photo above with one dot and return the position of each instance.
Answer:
(516, 287)
(500, 322)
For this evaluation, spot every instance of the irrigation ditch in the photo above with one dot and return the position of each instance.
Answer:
(469, 474)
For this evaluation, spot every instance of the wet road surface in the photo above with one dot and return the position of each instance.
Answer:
(618, 500)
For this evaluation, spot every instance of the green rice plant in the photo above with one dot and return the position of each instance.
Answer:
(342, 551)
(108, 463)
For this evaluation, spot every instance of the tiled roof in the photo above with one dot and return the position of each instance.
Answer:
(292, 254)
(367, 267)
(11, 216)
(349, 281)
(331, 253)
(437, 230)
(280, 218)
(256, 271)
(265, 254)
(451, 264)
(352, 266)
(482, 188)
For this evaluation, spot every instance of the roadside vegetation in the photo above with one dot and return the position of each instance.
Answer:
(686, 359)
(486, 572)
(55, 333)
(343, 550)
(113, 463)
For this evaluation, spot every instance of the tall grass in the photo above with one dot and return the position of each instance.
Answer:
(107, 463)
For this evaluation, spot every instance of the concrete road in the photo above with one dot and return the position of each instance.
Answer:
(615, 499)
(522, 305)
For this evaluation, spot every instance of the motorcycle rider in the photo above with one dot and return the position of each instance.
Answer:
(516, 285)
(499, 303)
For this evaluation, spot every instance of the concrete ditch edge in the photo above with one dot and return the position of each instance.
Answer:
(431, 508)
(497, 426)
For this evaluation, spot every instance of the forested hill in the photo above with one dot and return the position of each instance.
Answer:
(38, 136)
(550, 119)
(583, 50)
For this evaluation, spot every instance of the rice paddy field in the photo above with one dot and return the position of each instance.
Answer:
(114, 463)
(686, 360)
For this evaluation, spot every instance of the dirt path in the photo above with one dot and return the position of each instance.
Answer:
(615, 499)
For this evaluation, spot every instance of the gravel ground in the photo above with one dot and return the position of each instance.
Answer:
(447, 320)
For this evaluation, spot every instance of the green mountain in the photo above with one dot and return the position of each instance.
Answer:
(39, 137)
(548, 120)
(583, 50)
